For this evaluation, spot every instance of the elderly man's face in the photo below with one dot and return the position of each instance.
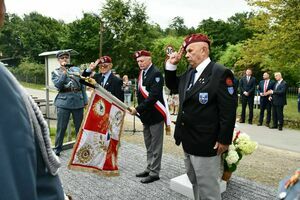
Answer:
(144, 62)
(277, 77)
(2, 12)
(196, 53)
(105, 67)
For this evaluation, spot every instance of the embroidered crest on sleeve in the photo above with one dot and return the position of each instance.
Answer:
(157, 79)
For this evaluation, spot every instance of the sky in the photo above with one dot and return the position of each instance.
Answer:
(159, 11)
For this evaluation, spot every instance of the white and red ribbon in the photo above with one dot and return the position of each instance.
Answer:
(164, 110)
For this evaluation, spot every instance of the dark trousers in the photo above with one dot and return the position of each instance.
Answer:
(63, 116)
(265, 104)
(277, 116)
(298, 102)
(250, 101)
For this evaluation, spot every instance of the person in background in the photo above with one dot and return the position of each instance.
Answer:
(150, 110)
(71, 97)
(278, 98)
(106, 78)
(247, 91)
(263, 86)
(299, 98)
(127, 90)
(207, 112)
(28, 167)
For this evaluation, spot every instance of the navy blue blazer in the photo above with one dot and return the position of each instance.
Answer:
(247, 86)
(269, 87)
(154, 83)
(279, 94)
(113, 84)
(207, 112)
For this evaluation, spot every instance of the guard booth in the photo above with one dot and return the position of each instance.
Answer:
(50, 64)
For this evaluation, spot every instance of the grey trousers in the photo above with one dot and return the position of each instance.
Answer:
(63, 116)
(204, 174)
(153, 137)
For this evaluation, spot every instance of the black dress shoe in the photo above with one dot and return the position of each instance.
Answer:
(150, 179)
(142, 174)
(259, 124)
(273, 127)
(250, 122)
(57, 153)
(280, 128)
(241, 121)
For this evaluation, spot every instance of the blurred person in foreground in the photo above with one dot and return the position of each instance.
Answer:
(28, 167)
(106, 78)
(71, 97)
(206, 117)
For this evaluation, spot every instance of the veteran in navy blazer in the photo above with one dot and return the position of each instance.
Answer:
(278, 97)
(207, 112)
(106, 78)
(265, 104)
(150, 92)
(247, 91)
(71, 97)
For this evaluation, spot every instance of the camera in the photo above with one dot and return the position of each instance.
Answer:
(69, 65)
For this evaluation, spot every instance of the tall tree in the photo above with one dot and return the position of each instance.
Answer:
(10, 41)
(83, 36)
(276, 42)
(177, 27)
(39, 34)
(126, 31)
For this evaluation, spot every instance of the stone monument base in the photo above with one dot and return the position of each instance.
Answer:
(182, 185)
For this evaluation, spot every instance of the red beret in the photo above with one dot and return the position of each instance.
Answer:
(195, 38)
(140, 53)
(105, 59)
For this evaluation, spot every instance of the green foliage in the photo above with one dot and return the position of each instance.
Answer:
(158, 50)
(126, 31)
(30, 72)
(230, 57)
(223, 33)
(83, 36)
(30, 36)
(275, 45)
(177, 27)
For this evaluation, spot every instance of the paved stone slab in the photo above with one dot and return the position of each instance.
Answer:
(88, 186)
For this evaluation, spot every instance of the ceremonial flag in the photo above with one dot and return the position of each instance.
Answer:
(96, 148)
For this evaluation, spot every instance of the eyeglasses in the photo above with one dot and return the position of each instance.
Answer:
(64, 57)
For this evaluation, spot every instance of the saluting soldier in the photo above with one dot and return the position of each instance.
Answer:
(207, 111)
(71, 97)
(106, 78)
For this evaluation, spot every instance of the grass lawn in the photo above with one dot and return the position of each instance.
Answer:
(33, 86)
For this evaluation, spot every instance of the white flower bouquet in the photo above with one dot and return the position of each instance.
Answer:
(241, 145)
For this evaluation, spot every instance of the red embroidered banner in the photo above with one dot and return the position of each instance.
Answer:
(96, 148)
